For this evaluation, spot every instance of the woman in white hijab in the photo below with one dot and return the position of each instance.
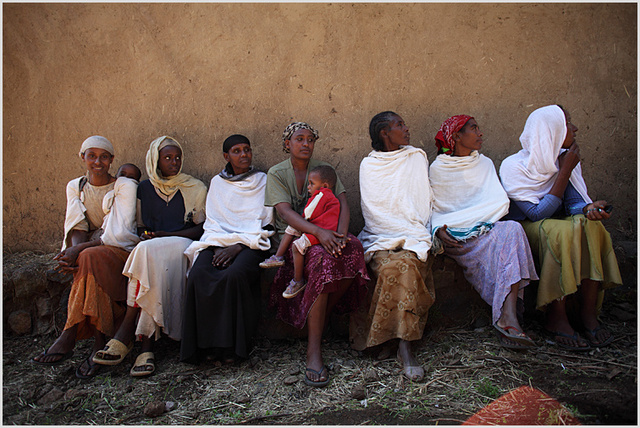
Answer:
(171, 211)
(549, 197)
(99, 290)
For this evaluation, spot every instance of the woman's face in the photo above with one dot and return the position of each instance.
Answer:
(467, 139)
(97, 160)
(396, 134)
(170, 161)
(301, 144)
(571, 132)
(239, 156)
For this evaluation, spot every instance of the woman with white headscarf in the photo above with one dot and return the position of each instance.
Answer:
(171, 210)
(549, 197)
(99, 290)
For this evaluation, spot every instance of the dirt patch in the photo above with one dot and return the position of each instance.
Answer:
(465, 371)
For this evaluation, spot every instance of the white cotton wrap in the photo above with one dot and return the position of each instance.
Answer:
(396, 202)
(119, 224)
(530, 174)
(75, 209)
(235, 215)
(466, 191)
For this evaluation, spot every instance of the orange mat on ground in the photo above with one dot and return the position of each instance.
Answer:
(523, 406)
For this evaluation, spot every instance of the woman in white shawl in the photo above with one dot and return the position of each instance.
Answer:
(170, 217)
(222, 304)
(468, 202)
(99, 290)
(544, 182)
(396, 206)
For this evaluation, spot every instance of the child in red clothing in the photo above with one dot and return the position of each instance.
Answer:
(323, 210)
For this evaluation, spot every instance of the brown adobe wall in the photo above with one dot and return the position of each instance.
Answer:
(200, 72)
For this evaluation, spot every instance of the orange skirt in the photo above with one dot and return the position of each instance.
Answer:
(98, 295)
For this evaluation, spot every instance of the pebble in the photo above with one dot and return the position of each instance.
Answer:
(169, 405)
(242, 398)
(54, 395)
(294, 370)
(359, 392)
(154, 409)
(290, 380)
(542, 357)
(371, 376)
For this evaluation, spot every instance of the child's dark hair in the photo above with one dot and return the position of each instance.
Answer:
(327, 175)
(379, 122)
(135, 167)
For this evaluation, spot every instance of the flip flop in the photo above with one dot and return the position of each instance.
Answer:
(519, 336)
(93, 369)
(413, 373)
(145, 360)
(114, 349)
(511, 344)
(52, 354)
(575, 336)
(319, 383)
(590, 337)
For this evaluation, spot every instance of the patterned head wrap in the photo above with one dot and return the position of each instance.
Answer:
(444, 137)
(96, 142)
(292, 128)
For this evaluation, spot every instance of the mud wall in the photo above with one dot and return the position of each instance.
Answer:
(200, 72)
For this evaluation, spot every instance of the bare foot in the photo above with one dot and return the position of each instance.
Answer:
(412, 369)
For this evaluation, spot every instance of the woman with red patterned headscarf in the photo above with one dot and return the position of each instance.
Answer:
(468, 203)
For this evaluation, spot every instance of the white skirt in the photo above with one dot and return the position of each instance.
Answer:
(157, 271)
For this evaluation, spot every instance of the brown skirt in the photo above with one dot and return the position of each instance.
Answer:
(398, 306)
(98, 294)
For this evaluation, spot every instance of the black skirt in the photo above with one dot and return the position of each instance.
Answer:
(222, 306)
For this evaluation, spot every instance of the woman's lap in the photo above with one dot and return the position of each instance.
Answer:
(398, 300)
(323, 274)
(98, 292)
(569, 250)
(496, 260)
(222, 306)
(157, 271)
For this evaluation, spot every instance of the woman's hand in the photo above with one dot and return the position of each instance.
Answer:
(569, 159)
(67, 259)
(333, 242)
(223, 257)
(595, 211)
(446, 238)
(147, 234)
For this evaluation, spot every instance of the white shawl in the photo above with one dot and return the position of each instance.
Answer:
(235, 215)
(119, 224)
(75, 209)
(396, 202)
(530, 174)
(466, 192)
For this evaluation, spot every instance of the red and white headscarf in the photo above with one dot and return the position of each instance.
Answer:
(444, 137)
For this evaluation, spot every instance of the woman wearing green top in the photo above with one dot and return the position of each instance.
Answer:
(335, 270)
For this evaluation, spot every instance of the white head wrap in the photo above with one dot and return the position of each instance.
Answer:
(96, 142)
(529, 174)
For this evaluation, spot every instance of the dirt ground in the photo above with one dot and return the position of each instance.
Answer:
(465, 370)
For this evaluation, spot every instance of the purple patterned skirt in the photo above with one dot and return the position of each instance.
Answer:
(322, 272)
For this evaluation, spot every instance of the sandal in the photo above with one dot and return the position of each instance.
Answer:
(93, 369)
(271, 262)
(317, 383)
(146, 363)
(511, 344)
(552, 335)
(294, 288)
(517, 336)
(113, 353)
(591, 337)
(52, 354)
(413, 373)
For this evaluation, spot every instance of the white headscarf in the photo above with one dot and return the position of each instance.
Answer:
(530, 174)
(96, 142)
